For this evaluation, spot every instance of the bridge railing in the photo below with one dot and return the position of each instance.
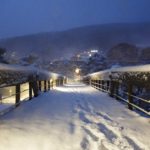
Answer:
(125, 84)
(22, 84)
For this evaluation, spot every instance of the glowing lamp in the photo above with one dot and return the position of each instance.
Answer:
(77, 70)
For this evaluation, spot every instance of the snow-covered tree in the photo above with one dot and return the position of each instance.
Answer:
(96, 62)
(2, 55)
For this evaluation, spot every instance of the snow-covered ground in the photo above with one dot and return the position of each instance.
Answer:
(74, 117)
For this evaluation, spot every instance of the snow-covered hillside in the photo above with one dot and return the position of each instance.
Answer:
(74, 117)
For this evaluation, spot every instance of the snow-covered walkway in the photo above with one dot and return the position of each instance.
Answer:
(74, 117)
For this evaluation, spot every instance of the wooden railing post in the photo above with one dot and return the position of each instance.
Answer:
(58, 82)
(17, 95)
(112, 88)
(117, 90)
(40, 85)
(49, 86)
(130, 98)
(108, 83)
(52, 84)
(103, 88)
(35, 88)
(100, 84)
(45, 88)
(64, 81)
(90, 82)
(61, 82)
(30, 91)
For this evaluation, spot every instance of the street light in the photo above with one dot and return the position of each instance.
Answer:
(77, 70)
(77, 74)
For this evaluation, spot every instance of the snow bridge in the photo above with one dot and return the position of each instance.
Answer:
(40, 110)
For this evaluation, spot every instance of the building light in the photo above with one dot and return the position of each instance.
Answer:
(94, 51)
(90, 55)
(78, 56)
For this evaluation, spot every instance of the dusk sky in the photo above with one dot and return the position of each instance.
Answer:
(20, 17)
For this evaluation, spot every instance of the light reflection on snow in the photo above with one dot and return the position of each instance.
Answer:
(68, 88)
(63, 89)
(75, 85)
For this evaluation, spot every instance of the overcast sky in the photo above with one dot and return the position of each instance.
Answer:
(19, 17)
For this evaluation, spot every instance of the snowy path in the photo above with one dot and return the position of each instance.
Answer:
(74, 117)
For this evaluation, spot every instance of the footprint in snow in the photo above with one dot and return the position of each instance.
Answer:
(83, 118)
(108, 133)
(104, 116)
(85, 144)
(71, 128)
(88, 132)
(133, 144)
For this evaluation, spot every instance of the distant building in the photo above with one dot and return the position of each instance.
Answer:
(84, 56)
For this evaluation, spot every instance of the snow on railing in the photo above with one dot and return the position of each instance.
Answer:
(13, 74)
(129, 84)
(22, 83)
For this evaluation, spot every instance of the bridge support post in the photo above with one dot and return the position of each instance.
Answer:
(94, 83)
(90, 82)
(112, 88)
(40, 85)
(52, 84)
(100, 84)
(108, 85)
(49, 86)
(30, 91)
(130, 98)
(45, 86)
(117, 90)
(59, 82)
(55, 83)
(17, 95)
(103, 82)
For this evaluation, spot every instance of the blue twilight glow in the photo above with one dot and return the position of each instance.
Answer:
(19, 17)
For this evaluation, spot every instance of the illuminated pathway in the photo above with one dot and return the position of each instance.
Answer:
(74, 117)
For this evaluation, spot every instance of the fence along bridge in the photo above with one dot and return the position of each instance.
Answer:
(87, 118)
(127, 84)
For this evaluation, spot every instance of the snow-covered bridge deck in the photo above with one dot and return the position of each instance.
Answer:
(74, 117)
